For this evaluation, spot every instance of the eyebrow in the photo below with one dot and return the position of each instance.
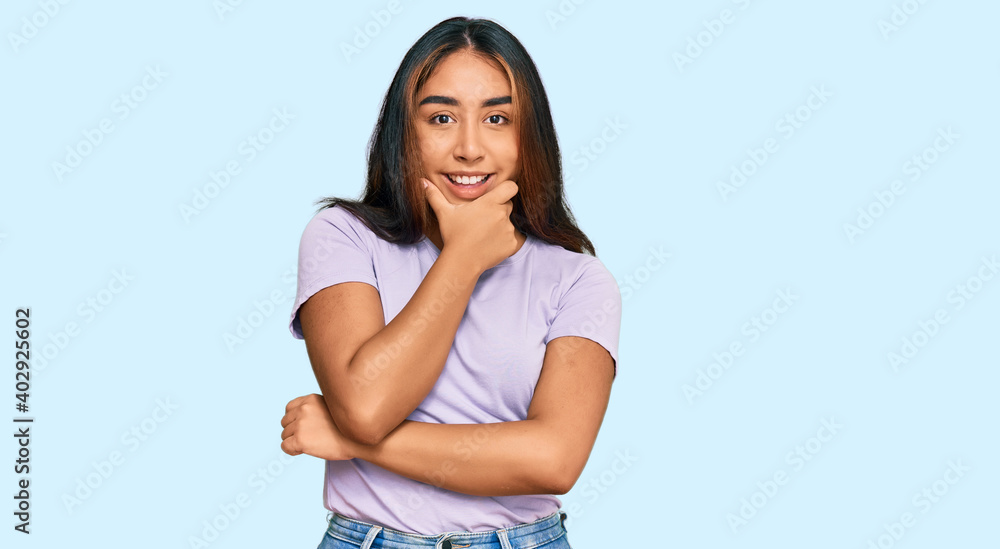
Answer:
(444, 100)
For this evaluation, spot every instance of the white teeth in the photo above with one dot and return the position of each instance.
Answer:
(467, 180)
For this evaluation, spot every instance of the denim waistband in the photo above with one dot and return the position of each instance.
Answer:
(522, 536)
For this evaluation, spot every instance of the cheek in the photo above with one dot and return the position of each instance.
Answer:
(431, 148)
(506, 151)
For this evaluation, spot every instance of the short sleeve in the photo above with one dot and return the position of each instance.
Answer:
(334, 248)
(591, 308)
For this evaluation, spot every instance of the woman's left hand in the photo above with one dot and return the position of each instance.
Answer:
(309, 429)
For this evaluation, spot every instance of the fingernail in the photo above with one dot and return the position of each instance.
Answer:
(425, 183)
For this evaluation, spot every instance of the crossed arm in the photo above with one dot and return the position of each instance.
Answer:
(543, 454)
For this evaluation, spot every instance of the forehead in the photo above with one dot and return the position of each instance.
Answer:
(466, 75)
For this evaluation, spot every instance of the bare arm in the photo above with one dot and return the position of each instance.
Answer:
(544, 454)
(374, 374)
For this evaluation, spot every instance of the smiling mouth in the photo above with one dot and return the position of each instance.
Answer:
(469, 181)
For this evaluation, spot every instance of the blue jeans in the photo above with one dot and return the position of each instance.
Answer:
(346, 533)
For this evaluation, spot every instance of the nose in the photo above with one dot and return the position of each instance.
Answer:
(468, 143)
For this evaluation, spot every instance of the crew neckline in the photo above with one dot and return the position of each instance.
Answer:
(518, 255)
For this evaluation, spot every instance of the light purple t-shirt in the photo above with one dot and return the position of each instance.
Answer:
(540, 293)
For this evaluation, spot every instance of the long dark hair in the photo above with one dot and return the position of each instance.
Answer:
(393, 204)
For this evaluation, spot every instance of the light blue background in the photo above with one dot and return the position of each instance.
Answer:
(654, 186)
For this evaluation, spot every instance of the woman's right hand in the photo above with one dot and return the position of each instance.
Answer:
(309, 429)
(481, 230)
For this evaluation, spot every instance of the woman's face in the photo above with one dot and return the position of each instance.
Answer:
(464, 127)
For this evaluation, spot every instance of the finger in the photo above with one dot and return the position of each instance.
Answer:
(288, 431)
(437, 200)
(290, 447)
(314, 401)
(501, 193)
(295, 402)
(289, 418)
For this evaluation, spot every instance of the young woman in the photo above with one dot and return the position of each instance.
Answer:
(464, 343)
